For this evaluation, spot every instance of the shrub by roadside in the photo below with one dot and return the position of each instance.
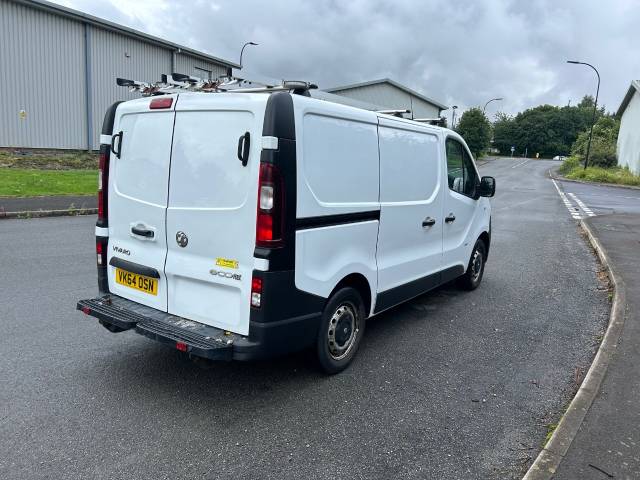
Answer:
(572, 168)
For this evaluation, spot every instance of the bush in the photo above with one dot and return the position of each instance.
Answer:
(622, 176)
(573, 168)
(603, 143)
(569, 165)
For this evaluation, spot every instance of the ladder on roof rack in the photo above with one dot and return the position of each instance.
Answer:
(178, 82)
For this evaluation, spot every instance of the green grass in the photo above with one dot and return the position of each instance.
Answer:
(17, 182)
(550, 429)
(573, 169)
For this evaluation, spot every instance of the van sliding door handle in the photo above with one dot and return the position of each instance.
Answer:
(428, 222)
(450, 218)
(142, 232)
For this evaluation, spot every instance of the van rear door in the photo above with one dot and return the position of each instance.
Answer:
(138, 201)
(211, 214)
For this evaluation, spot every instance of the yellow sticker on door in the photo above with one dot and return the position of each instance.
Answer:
(226, 262)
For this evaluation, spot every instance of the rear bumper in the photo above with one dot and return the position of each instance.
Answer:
(264, 339)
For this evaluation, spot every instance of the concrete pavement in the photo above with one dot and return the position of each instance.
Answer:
(452, 385)
(608, 442)
(9, 205)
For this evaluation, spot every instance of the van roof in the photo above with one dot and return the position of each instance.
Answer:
(326, 100)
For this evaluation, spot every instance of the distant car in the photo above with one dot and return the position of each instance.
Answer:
(560, 157)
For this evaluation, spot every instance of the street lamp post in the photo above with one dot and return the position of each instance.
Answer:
(453, 116)
(492, 100)
(595, 107)
(242, 51)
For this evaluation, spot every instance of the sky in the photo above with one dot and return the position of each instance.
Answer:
(459, 52)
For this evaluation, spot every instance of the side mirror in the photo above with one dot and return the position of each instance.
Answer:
(487, 187)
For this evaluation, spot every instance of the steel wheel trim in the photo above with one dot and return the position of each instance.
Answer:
(344, 326)
(476, 265)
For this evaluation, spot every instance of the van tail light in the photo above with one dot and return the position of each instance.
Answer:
(101, 252)
(256, 292)
(270, 218)
(103, 185)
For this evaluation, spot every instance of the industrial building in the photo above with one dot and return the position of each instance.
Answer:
(629, 135)
(58, 68)
(389, 94)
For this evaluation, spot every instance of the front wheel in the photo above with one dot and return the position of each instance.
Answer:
(341, 330)
(473, 276)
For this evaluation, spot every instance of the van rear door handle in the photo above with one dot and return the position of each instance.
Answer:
(428, 222)
(142, 232)
(450, 218)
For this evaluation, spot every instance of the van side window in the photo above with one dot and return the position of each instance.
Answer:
(461, 175)
(470, 176)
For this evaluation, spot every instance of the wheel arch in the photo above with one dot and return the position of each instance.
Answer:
(361, 284)
(486, 239)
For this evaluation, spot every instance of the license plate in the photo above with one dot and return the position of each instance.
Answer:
(139, 282)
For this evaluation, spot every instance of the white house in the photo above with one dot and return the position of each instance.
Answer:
(629, 136)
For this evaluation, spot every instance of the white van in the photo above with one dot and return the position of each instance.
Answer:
(247, 225)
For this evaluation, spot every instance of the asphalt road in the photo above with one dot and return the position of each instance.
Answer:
(452, 385)
(601, 199)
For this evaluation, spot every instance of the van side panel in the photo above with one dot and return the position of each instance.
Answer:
(337, 195)
(411, 217)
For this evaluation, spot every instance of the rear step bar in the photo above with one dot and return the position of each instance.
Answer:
(185, 335)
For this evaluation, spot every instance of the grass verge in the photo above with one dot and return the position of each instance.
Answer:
(17, 182)
(573, 169)
(48, 159)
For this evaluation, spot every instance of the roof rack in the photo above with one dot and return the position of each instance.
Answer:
(179, 82)
(439, 121)
(395, 112)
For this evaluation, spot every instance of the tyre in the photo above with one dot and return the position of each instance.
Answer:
(341, 330)
(475, 270)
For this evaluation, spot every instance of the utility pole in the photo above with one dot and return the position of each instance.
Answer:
(242, 51)
(595, 107)
(492, 100)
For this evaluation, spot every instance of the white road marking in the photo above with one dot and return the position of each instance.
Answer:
(573, 211)
(521, 163)
(586, 209)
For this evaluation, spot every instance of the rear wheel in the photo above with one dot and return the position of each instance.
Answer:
(341, 330)
(475, 270)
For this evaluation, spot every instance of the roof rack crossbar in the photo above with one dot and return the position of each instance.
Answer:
(397, 112)
(177, 82)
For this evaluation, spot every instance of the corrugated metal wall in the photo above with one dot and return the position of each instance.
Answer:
(114, 55)
(391, 97)
(187, 64)
(42, 74)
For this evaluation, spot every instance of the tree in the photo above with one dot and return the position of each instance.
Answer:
(545, 129)
(603, 143)
(475, 128)
(504, 132)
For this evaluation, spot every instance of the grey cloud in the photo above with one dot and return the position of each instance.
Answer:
(459, 52)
